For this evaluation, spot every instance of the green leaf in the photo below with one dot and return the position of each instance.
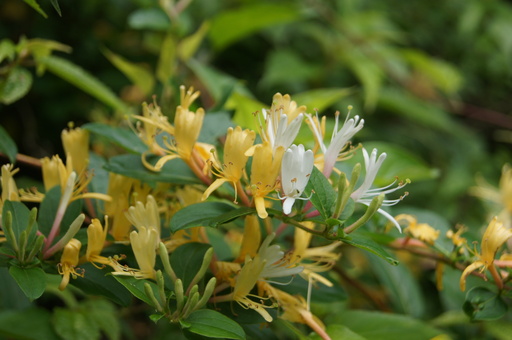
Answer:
(213, 324)
(321, 192)
(483, 304)
(124, 138)
(15, 86)
(248, 20)
(35, 5)
(55, 4)
(136, 287)
(167, 59)
(186, 261)
(220, 85)
(82, 79)
(11, 295)
(206, 214)
(149, 19)
(74, 324)
(189, 45)
(32, 281)
(28, 324)
(215, 125)
(402, 287)
(365, 242)
(385, 326)
(20, 217)
(244, 107)
(105, 315)
(174, 171)
(138, 74)
(7, 50)
(320, 292)
(321, 99)
(48, 211)
(339, 332)
(7, 145)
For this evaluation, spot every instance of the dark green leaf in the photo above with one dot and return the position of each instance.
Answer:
(174, 171)
(213, 324)
(35, 5)
(322, 194)
(11, 295)
(222, 33)
(367, 243)
(7, 145)
(80, 78)
(55, 4)
(136, 287)
(74, 324)
(32, 281)
(206, 214)
(150, 19)
(124, 138)
(319, 293)
(20, 217)
(215, 125)
(105, 315)
(483, 304)
(15, 86)
(15, 324)
(187, 259)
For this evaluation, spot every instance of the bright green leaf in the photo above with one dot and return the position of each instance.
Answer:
(7, 50)
(15, 86)
(231, 26)
(201, 214)
(35, 5)
(7, 145)
(82, 79)
(365, 242)
(189, 45)
(167, 60)
(74, 324)
(321, 192)
(124, 138)
(213, 324)
(320, 99)
(138, 74)
(187, 259)
(32, 281)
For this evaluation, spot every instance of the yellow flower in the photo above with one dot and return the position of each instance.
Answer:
(76, 145)
(96, 237)
(238, 141)
(287, 106)
(9, 188)
(145, 216)
(494, 237)
(119, 188)
(457, 239)
(153, 123)
(264, 171)
(421, 231)
(68, 262)
(251, 239)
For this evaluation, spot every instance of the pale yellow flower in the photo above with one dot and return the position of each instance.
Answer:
(68, 262)
(147, 215)
(495, 235)
(251, 239)
(96, 238)
(76, 145)
(119, 188)
(287, 106)
(9, 188)
(421, 231)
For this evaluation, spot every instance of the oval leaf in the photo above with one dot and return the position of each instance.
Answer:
(205, 214)
(15, 86)
(123, 137)
(368, 244)
(321, 192)
(32, 281)
(213, 324)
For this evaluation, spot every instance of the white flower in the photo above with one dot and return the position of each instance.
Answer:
(365, 195)
(338, 140)
(296, 168)
(278, 132)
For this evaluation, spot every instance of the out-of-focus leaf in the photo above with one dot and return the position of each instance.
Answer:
(13, 324)
(202, 214)
(35, 5)
(7, 50)
(284, 67)
(401, 286)
(320, 99)
(483, 304)
(16, 85)
(74, 324)
(321, 192)
(186, 261)
(244, 107)
(167, 59)
(247, 20)
(138, 74)
(125, 138)
(442, 75)
(501, 330)
(219, 85)
(189, 45)
(11, 295)
(7, 145)
(56, 6)
(385, 326)
(105, 315)
(215, 125)
(319, 292)
(174, 171)
(149, 19)
(339, 332)
(213, 324)
(32, 281)
(80, 78)
(365, 242)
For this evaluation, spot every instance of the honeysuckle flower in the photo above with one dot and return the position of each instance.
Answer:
(264, 170)
(339, 138)
(232, 169)
(287, 106)
(365, 195)
(69, 261)
(296, 169)
(76, 144)
(96, 237)
(119, 188)
(314, 260)
(457, 240)
(9, 188)
(251, 239)
(421, 231)
(494, 237)
(147, 215)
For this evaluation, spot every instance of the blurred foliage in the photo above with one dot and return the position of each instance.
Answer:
(435, 78)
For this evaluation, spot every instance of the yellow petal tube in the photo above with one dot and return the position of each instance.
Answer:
(144, 248)
(76, 143)
(187, 126)
(287, 106)
(68, 262)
